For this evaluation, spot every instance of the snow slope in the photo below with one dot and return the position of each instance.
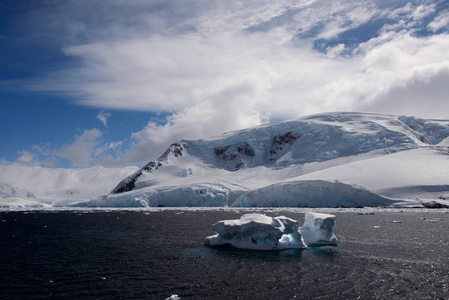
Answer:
(325, 160)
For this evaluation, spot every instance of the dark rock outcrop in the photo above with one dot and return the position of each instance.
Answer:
(129, 183)
(233, 156)
(282, 142)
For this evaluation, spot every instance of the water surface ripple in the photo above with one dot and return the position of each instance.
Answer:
(152, 255)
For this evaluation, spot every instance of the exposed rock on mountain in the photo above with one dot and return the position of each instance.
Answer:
(233, 156)
(282, 143)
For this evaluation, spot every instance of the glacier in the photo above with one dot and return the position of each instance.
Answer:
(325, 160)
(260, 232)
(340, 159)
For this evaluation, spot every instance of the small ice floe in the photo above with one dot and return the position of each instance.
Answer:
(376, 227)
(173, 297)
(365, 213)
(432, 220)
(396, 221)
(261, 232)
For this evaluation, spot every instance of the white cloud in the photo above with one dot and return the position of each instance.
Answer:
(423, 92)
(103, 117)
(422, 11)
(171, 70)
(227, 110)
(334, 52)
(26, 157)
(440, 22)
(218, 67)
(81, 151)
(407, 76)
(89, 182)
(86, 149)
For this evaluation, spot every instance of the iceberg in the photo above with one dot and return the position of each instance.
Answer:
(257, 231)
(318, 229)
(261, 232)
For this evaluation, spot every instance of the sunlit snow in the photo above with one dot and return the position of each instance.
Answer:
(326, 160)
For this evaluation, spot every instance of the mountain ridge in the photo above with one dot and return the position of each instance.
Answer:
(221, 170)
(340, 159)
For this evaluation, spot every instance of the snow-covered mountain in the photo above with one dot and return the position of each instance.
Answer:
(33, 186)
(12, 196)
(325, 160)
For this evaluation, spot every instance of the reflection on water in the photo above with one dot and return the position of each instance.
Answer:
(230, 253)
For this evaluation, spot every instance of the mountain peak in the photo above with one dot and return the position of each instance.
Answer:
(277, 153)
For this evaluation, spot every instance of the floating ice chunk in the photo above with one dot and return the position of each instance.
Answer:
(318, 229)
(432, 220)
(257, 231)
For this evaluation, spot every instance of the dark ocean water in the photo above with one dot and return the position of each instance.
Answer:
(153, 255)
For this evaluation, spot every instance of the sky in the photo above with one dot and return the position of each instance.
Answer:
(89, 83)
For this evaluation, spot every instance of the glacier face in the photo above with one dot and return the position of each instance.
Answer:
(325, 160)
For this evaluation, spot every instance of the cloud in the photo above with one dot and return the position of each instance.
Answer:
(440, 22)
(85, 150)
(44, 182)
(229, 109)
(166, 68)
(217, 67)
(26, 157)
(422, 11)
(80, 153)
(103, 117)
(409, 76)
(424, 90)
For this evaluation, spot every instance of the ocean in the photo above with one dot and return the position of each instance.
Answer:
(157, 253)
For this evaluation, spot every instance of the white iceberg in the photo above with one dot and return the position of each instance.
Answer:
(261, 232)
(318, 229)
(257, 231)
